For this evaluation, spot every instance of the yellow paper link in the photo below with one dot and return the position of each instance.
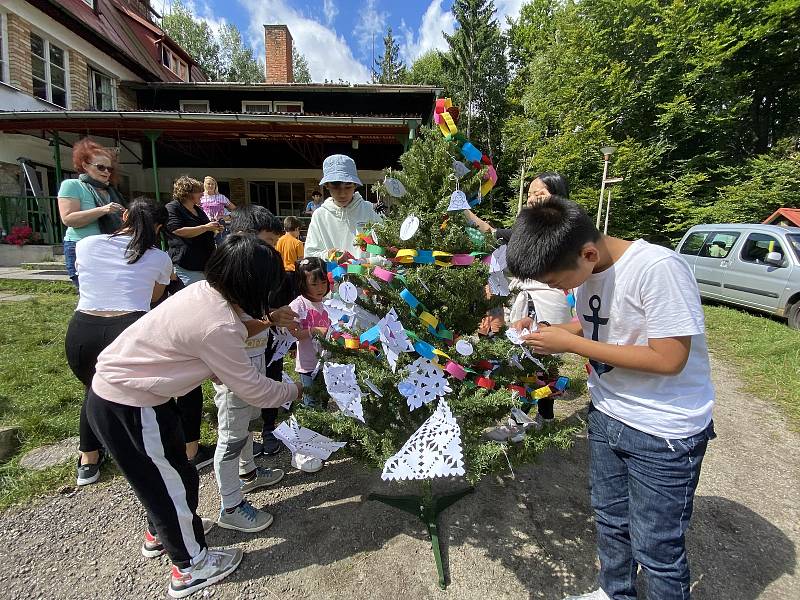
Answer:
(438, 352)
(352, 343)
(441, 259)
(429, 319)
(450, 123)
(486, 187)
(405, 256)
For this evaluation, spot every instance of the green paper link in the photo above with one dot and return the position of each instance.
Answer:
(376, 250)
(355, 269)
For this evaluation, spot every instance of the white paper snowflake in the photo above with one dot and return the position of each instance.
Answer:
(343, 388)
(434, 450)
(306, 441)
(393, 337)
(425, 383)
(498, 284)
(282, 342)
(498, 262)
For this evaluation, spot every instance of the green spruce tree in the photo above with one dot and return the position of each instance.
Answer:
(390, 68)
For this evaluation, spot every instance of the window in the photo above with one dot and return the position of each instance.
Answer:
(758, 245)
(719, 244)
(281, 197)
(794, 242)
(174, 63)
(102, 91)
(289, 107)
(195, 106)
(89, 3)
(693, 243)
(256, 107)
(48, 71)
(3, 48)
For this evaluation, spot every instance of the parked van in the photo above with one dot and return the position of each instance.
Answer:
(755, 266)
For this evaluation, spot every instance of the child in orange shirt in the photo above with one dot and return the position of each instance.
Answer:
(289, 245)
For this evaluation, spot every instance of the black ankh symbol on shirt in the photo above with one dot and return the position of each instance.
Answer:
(596, 320)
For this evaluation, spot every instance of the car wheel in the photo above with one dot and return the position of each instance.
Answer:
(793, 315)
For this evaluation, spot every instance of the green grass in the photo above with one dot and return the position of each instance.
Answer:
(765, 351)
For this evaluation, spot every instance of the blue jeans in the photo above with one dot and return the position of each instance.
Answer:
(307, 381)
(642, 494)
(69, 261)
(188, 277)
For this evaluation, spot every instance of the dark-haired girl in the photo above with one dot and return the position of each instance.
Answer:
(166, 353)
(312, 283)
(120, 274)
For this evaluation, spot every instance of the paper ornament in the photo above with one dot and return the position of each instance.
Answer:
(375, 285)
(394, 187)
(343, 388)
(301, 440)
(458, 201)
(348, 292)
(515, 337)
(425, 383)
(282, 342)
(337, 309)
(460, 169)
(373, 388)
(498, 284)
(434, 450)
(497, 262)
(409, 227)
(464, 348)
(286, 379)
(393, 337)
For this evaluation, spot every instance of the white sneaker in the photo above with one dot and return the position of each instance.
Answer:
(598, 594)
(215, 566)
(306, 463)
(245, 517)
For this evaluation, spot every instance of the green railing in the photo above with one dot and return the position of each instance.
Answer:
(41, 213)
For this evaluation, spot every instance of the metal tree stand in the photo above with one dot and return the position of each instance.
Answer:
(427, 507)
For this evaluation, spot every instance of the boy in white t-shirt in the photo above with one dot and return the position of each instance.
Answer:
(641, 327)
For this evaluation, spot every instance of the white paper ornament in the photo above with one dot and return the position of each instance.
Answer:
(515, 337)
(460, 169)
(306, 441)
(458, 201)
(373, 388)
(282, 342)
(343, 388)
(434, 450)
(393, 338)
(394, 187)
(498, 262)
(425, 383)
(498, 284)
(464, 348)
(286, 379)
(348, 292)
(409, 227)
(374, 283)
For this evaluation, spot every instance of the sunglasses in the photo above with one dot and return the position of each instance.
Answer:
(103, 168)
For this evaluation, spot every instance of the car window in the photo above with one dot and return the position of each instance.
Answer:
(693, 243)
(794, 242)
(758, 245)
(719, 244)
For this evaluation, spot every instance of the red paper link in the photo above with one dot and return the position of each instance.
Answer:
(519, 389)
(483, 365)
(485, 382)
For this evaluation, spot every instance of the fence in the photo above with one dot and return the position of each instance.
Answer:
(41, 213)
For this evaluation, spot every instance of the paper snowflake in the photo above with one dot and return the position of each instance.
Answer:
(425, 383)
(498, 284)
(343, 388)
(393, 337)
(434, 450)
(306, 441)
(282, 342)
(498, 262)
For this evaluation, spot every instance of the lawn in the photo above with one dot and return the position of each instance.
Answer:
(39, 393)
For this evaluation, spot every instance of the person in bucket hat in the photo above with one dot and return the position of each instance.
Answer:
(344, 213)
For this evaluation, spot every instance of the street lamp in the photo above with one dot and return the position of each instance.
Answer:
(607, 152)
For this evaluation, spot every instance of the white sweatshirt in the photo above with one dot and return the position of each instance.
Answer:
(334, 227)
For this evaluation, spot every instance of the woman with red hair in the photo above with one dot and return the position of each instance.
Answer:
(89, 205)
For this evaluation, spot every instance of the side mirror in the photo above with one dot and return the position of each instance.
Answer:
(774, 258)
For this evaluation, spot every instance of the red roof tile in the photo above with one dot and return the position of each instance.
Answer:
(791, 214)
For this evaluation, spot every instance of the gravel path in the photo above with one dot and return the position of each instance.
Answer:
(526, 537)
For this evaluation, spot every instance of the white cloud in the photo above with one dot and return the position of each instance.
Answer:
(330, 10)
(328, 54)
(429, 35)
(370, 30)
(507, 8)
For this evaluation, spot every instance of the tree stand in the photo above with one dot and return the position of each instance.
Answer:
(427, 507)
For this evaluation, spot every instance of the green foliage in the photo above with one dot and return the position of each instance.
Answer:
(428, 69)
(300, 72)
(456, 297)
(696, 96)
(222, 56)
(390, 68)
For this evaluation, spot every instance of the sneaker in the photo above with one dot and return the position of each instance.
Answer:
(203, 458)
(504, 432)
(152, 546)
(598, 594)
(258, 449)
(542, 422)
(262, 478)
(88, 474)
(270, 444)
(215, 566)
(306, 463)
(245, 518)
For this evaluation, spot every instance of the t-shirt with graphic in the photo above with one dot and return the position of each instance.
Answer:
(311, 314)
(648, 293)
(214, 205)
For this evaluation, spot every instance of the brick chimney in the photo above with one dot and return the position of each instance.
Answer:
(278, 46)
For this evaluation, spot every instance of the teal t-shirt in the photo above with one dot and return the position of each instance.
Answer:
(72, 188)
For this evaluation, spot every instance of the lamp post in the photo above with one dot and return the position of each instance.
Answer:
(608, 183)
(607, 152)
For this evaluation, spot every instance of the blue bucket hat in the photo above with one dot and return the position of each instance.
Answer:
(339, 167)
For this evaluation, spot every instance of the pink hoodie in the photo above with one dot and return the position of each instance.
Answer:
(193, 336)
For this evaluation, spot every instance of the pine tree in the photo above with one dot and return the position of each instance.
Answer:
(390, 69)
(300, 71)
(456, 296)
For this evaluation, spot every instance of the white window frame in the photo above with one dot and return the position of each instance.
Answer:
(278, 103)
(174, 61)
(183, 103)
(4, 72)
(48, 78)
(91, 70)
(247, 103)
(89, 3)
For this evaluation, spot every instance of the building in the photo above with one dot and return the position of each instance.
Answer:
(785, 217)
(105, 68)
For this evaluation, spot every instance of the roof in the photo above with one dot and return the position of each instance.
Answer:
(372, 88)
(790, 214)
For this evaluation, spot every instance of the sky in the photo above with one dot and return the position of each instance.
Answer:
(336, 36)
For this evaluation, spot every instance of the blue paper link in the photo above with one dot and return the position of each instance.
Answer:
(562, 383)
(571, 299)
(424, 257)
(475, 201)
(410, 299)
(370, 335)
(424, 349)
(331, 265)
(339, 272)
(471, 153)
